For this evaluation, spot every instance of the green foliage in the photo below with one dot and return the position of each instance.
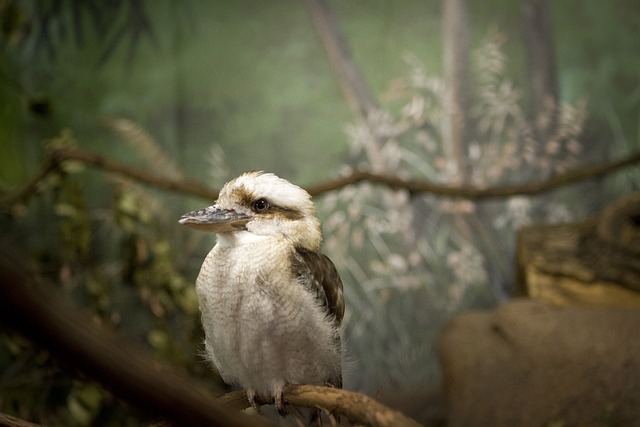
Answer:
(121, 264)
(45, 27)
(84, 403)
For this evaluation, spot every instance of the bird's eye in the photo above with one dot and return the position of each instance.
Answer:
(260, 206)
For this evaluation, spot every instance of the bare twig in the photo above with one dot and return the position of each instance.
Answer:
(57, 157)
(194, 188)
(358, 408)
(475, 193)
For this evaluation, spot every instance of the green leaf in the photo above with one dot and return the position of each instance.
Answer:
(158, 339)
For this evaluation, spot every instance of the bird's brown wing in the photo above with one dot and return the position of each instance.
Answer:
(319, 275)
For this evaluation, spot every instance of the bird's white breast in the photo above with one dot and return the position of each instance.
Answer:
(262, 327)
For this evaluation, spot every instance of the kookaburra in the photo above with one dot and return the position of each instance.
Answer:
(271, 303)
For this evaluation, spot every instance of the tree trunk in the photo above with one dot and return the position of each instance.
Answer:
(456, 77)
(354, 88)
(542, 66)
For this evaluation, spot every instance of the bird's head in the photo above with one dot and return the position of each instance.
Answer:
(264, 205)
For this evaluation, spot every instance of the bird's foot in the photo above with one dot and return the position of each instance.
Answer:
(252, 397)
(279, 401)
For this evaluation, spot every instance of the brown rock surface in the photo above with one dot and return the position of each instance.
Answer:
(528, 363)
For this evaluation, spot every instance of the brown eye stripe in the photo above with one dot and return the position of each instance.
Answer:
(291, 214)
(274, 210)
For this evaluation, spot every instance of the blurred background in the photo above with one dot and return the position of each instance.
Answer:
(485, 94)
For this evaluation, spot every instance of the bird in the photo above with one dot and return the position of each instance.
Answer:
(271, 302)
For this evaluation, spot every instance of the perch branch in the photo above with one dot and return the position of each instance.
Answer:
(194, 188)
(358, 408)
(40, 315)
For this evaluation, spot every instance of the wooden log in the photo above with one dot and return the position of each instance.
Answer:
(593, 263)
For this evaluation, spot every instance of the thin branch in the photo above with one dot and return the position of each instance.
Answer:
(27, 190)
(194, 188)
(57, 157)
(476, 193)
(357, 407)
(136, 173)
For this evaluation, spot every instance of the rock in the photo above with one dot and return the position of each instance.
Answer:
(527, 363)
(592, 263)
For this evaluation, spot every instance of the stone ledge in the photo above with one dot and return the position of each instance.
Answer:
(527, 363)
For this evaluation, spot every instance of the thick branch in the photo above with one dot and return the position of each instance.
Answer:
(194, 188)
(357, 407)
(74, 338)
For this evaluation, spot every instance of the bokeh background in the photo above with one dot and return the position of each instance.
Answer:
(207, 90)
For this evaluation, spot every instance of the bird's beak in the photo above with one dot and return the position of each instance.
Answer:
(216, 219)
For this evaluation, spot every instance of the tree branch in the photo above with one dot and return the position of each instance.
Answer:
(357, 407)
(41, 316)
(476, 193)
(194, 188)
(57, 157)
